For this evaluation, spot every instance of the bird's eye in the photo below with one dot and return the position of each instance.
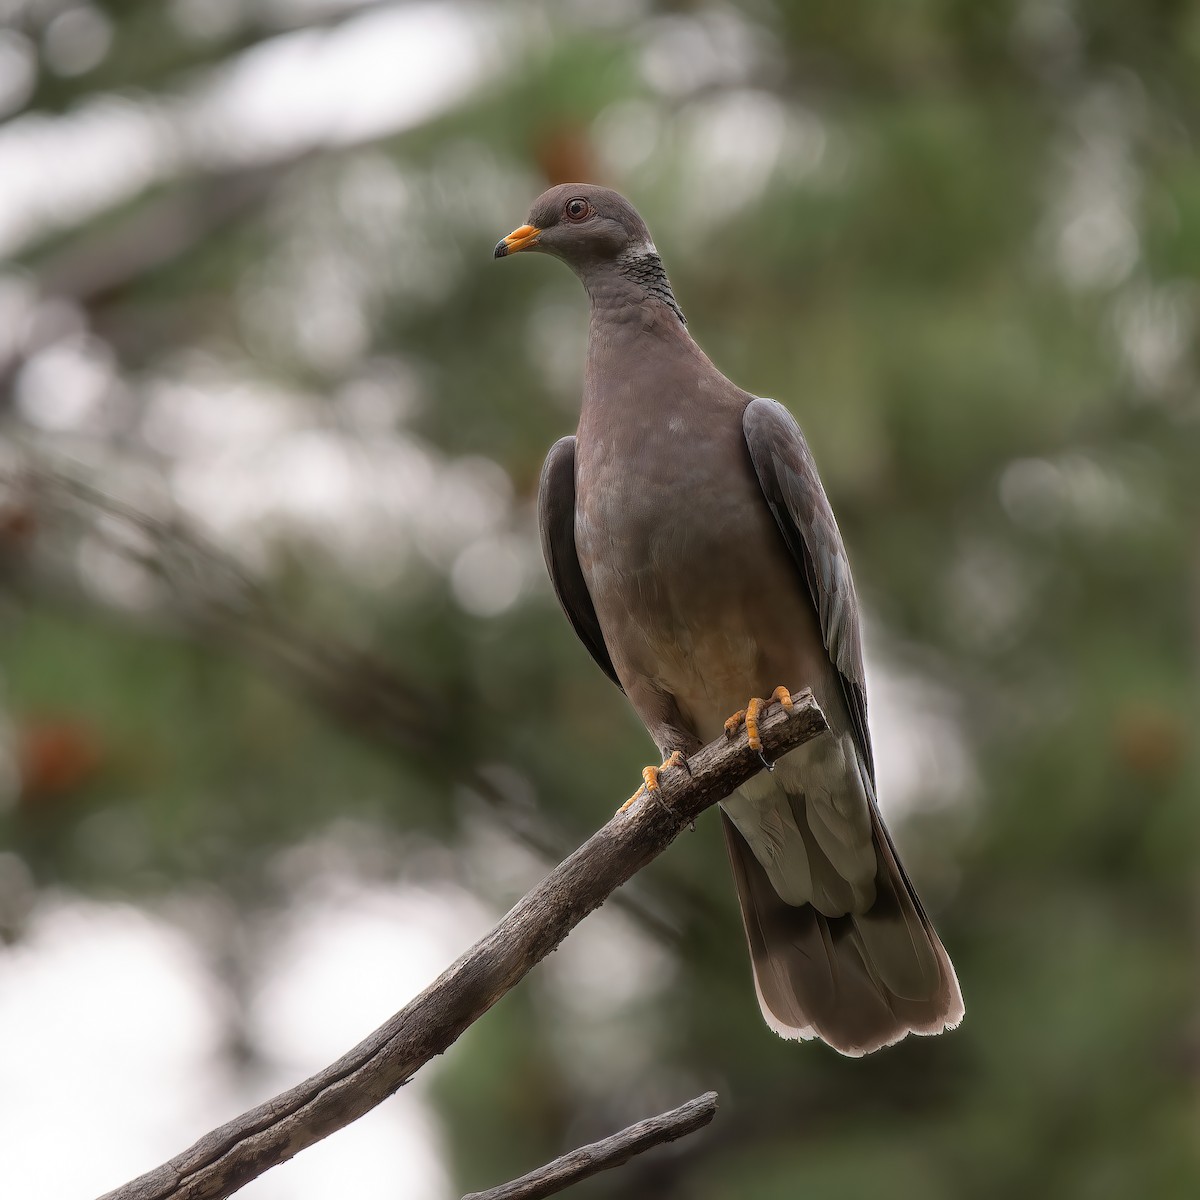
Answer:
(577, 209)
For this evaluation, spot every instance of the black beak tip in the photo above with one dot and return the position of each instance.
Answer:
(501, 249)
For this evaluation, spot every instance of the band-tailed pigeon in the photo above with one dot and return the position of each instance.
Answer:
(693, 548)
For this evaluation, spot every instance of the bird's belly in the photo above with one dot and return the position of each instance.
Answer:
(682, 594)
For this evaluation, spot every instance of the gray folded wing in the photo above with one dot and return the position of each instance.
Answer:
(792, 488)
(556, 524)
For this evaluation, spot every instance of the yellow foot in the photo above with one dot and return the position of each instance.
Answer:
(650, 776)
(749, 716)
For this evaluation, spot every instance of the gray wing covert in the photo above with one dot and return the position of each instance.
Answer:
(792, 488)
(556, 524)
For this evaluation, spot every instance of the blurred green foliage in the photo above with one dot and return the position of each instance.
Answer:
(960, 241)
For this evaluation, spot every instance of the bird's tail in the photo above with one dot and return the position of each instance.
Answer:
(859, 981)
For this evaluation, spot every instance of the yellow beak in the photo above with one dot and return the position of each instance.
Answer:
(519, 239)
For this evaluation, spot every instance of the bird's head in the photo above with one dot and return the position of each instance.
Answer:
(583, 224)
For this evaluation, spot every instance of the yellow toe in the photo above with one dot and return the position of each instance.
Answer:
(650, 775)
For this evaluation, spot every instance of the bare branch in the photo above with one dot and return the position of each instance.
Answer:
(231, 1156)
(612, 1151)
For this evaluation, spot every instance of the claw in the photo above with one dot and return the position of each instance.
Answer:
(650, 784)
